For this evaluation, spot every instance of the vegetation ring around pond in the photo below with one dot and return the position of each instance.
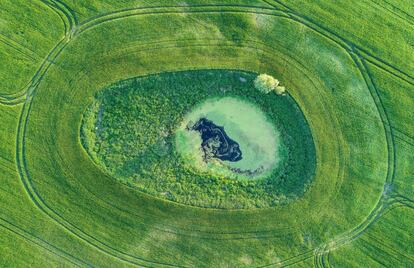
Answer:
(145, 132)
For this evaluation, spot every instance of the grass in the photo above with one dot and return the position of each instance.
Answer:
(27, 33)
(383, 245)
(347, 65)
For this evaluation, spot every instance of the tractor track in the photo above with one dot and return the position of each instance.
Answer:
(29, 187)
(77, 232)
(391, 69)
(42, 243)
(396, 11)
(67, 15)
(399, 134)
(25, 52)
(291, 260)
(376, 212)
(255, 234)
(139, 48)
(207, 9)
(388, 67)
(382, 245)
(72, 29)
(39, 202)
(69, 23)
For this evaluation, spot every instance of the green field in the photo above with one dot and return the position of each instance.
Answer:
(77, 192)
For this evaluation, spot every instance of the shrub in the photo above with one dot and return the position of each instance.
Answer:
(266, 83)
(280, 90)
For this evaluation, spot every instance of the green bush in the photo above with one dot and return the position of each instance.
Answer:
(266, 83)
(280, 90)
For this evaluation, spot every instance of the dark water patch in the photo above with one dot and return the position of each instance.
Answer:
(215, 142)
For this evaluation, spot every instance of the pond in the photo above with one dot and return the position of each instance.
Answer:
(216, 143)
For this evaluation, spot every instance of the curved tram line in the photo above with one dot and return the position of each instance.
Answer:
(170, 44)
(70, 23)
(351, 235)
(41, 204)
(42, 243)
(319, 253)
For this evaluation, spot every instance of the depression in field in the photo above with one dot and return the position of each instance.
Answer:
(206, 133)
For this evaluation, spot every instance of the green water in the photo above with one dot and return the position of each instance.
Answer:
(245, 123)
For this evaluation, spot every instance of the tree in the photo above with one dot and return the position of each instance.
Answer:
(266, 83)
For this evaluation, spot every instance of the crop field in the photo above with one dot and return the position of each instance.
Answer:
(134, 133)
